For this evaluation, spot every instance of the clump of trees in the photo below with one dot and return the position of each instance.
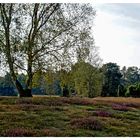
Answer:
(124, 82)
(38, 36)
(86, 79)
(111, 79)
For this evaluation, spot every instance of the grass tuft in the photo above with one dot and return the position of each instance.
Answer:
(52, 132)
(19, 132)
(87, 123)
(120, 107)
(103, 114)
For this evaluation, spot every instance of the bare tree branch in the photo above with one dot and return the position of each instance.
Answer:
(19, 66)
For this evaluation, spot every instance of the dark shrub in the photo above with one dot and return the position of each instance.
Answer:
(120, 107)
(27, 93)
(65, 91)
(133, 91)
(87, 123)
(7, 91)
(18, 132)
(103, 114)
(135, 105)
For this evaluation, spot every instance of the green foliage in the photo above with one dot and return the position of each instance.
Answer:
(87, 79)
(133, 90)
(57, 87)
(65, 78)
(40, 79)
(7, 81)
(122, 89)
(132, 75)
(111, 79)
(48, 81)
(120, 83)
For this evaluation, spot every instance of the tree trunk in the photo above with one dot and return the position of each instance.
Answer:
(30, 74)
(23, 92)
(6, 18)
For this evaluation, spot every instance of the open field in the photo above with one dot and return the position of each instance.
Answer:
(58, 116)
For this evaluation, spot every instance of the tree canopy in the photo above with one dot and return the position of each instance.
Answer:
(37, 36)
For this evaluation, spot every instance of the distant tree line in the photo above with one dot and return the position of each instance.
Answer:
(83, 79)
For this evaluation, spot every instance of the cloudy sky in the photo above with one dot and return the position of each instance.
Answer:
(117, 32)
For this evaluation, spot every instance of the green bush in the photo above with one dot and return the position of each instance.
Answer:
(133, 90)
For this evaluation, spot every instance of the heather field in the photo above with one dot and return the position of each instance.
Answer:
(58, 116)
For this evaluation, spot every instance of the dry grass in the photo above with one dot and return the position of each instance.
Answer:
(118, 99)
(78, 101)
(131, 102)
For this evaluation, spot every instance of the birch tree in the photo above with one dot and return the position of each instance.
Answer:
(37, 36)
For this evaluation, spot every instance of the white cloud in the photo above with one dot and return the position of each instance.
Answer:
(118, 43)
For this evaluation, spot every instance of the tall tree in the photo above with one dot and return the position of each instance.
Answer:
(87, 79)
(111, 79)
(132, 75)
(34, 36)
